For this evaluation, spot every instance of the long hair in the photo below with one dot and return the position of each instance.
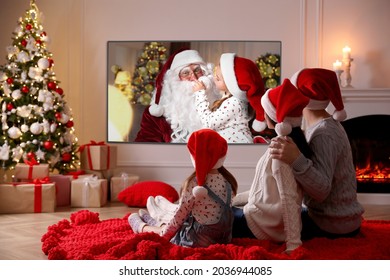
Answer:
(225, 173)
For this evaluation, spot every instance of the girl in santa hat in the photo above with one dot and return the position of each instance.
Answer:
(271, 208)
(204, 215)
(328, 178)
(240, 81)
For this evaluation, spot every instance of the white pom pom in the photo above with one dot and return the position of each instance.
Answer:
(156, 110)
(283, 128)
(199, 192)
(340, 115)
(258, 126)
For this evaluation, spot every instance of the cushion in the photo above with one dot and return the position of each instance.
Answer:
(137, 194)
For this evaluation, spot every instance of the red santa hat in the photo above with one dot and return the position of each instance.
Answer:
(284, 105)
(208, 151)
(178, 60)
(322, 87)
(243, 80)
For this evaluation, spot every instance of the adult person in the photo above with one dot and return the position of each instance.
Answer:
(327, 177)
(172, 117)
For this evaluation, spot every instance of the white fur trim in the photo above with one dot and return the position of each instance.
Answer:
(294, 78)
(156, 110)
(185, 58)
(268, 107)
(229, 75)
(340, 115)
(317, 104)
(199, 192)
(258, 125)
(283, 128)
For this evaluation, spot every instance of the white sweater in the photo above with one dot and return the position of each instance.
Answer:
(273, 211)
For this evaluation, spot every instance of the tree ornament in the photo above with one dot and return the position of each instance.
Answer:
(51, 85)
(28, 26)
(14, 132)
(48, 145)
(36, 128)
(51, 62)
(10, 81)
(58, 115)
(25, 89)
(69, 124)
(66, 157)
(23, 43)
(59, 91)
(30, 155)
(43, 63)
(24, 128)
(10, 106)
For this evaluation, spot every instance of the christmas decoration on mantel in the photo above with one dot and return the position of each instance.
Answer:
(36, 122)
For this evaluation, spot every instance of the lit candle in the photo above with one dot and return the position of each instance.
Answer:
(337, 65)
(346, 52)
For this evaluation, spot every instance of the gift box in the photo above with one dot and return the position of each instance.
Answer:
(98, 156)
(25, 172)
(118, 184)
(27, 198)
(88, 192)
(62, 184)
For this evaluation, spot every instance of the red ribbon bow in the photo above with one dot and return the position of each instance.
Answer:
(76, 174)
(92, 143)
(31, 162)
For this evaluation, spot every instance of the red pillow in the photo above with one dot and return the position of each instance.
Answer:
(137, 194)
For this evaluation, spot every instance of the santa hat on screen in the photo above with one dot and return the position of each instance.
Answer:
(284, 105)
(178, 60)
(208, 151)
(244, 81)
(322, 87)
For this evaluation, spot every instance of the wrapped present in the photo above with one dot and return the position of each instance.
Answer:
(23, 197)
(118, 184)
(88, 192)
(62, 184)
(31, 170)
(97, 156)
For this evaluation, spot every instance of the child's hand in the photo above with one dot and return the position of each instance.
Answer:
(198, 85)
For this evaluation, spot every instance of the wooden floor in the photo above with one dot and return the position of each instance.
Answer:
(20, 234)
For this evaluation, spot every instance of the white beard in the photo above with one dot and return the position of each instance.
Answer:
(177, 99)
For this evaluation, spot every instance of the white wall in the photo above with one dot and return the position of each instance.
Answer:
(312, 33)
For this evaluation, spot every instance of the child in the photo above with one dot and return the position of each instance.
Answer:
(328, 178)
(274, 200)
(204, 215)
(241, 82)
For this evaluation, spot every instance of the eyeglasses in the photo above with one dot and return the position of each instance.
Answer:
(188, 71)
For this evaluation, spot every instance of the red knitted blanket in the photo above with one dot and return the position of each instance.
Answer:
(86, 237)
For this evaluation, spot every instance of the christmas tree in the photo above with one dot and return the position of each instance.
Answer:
(36, 122)
(148, 66)
(269, 67)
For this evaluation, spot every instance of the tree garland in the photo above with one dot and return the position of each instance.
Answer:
(269, 67)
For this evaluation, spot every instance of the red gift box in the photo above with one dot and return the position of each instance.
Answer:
(62, 183)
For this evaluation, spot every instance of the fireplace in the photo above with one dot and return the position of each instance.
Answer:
(369, 137)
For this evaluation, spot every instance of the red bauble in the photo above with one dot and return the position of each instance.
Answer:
(60, 91)
(69, 124)
(28, 26)
(24, 43)
(51, 62)
(10, 81)
(58, 115)
(66, 157)
(38, 42)
(25, 89)
(48, 145)
(10, 106)
(43, 34)
(51, 85)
